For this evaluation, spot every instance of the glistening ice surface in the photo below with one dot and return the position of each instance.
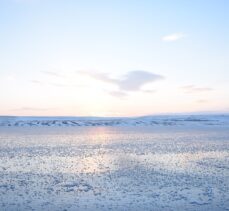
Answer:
(114, 168)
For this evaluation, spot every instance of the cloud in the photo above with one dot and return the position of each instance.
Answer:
(99, 76)
(53, 74)
(149, 91)
(194, 89)
(55, 84)
(31, 109)
(173, 37)
(37, 82)
(118, 94)
(50, 83)
(132, 81)
(201, 101)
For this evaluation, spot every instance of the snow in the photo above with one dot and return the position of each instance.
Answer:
(99, 121)
(183, 166)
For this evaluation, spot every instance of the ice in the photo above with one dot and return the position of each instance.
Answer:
(129, 167)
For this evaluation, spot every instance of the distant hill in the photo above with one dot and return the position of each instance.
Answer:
(159, 120)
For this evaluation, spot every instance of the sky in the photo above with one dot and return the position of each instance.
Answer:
(113, 58)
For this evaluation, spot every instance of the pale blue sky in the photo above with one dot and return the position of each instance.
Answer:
(113, 58)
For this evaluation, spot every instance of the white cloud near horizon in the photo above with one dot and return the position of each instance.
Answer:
(194, 89)
(31, 109)
(173, 37)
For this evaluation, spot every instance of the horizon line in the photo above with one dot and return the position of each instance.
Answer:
(137, 116)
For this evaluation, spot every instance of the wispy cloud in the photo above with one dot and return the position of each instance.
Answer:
(62, 83)
(149, 91)
(99, 76)
(194, 89)
(173, 37)
(201, 101)
(49, 83)
(118, 94)
(53, 73)
(131, 81)
(31, 109)
(36, 82)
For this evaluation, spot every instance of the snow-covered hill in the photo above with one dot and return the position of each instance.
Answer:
(178, 120)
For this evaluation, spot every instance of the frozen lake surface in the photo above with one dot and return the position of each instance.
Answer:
(114, 168)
